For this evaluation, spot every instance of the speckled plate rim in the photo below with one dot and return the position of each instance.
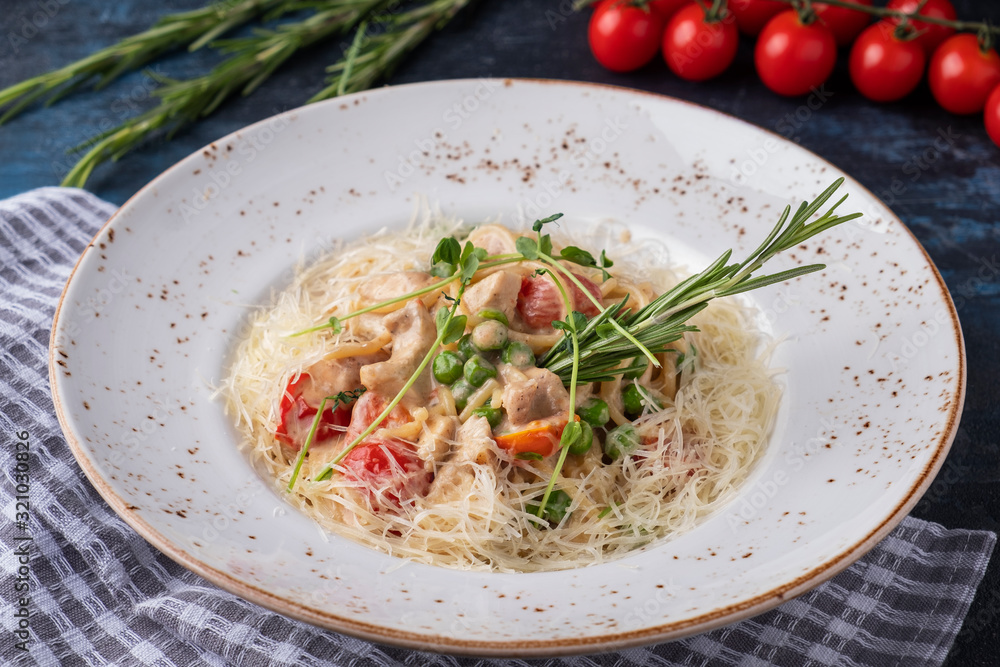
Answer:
(531, 648)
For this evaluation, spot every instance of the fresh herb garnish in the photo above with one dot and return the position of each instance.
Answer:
(342, 398)
(603, 347)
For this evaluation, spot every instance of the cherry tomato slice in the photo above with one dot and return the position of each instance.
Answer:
(539, 302)
(296, 416)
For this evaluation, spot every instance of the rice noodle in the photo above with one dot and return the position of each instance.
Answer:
(696, 451)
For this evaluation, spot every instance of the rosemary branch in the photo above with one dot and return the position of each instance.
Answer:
(602, 349)
(192, 29)
(252, 60)
(381, 43)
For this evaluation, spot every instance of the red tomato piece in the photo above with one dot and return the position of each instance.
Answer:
(697, 50)
(932, 35)
(367, 409)
(389, 469)
(962, 76)
(844, 23)
(883, 67)
(793, 58)
(991, 115)
(752, 15)
(296, 416)
(539, 302)
(624, 37)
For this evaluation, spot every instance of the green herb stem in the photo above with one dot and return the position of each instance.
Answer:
(327, 472)
(192, 29)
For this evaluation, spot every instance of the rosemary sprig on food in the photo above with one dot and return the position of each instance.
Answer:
(193, 29)
(603, 349)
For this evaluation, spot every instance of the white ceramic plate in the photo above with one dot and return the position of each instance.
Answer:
(875, 361)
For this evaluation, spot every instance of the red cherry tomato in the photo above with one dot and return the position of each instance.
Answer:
(931, 34)
(883, 67)
(667, 8)
(992, 115)
(696, 50)
(962, 76)
(624, 37)
(389, 469)
(845, 24)
(539, 302)
(753, 15)
(793, 58)
(296, 416)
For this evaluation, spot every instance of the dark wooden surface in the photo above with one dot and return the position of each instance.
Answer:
(948, 193)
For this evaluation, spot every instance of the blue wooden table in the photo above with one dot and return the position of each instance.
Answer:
(938, 172)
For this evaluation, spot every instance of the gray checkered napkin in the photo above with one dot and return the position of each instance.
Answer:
(100, 595)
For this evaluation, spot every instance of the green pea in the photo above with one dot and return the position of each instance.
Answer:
(621, 441)
(517, 354)
(583, 443)
(555, 509)
(493, 415)
(489, 335)
(637, 367)
(461, 391)
(493, 314)
(636, 398)
(443, 270)
(478, 371)
(447, 367)
(466, 348)
(595, 412)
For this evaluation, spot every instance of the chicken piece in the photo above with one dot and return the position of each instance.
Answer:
(539, 395)
(474, 446)
(434, 441)
(496, 240)
(385, 287)
(498, 291)
(413, 333)
(330, 377)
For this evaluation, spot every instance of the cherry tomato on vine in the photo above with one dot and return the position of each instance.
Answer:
(961, 75)
(793, 58)
(624, 37)
(992, 115)
(753, 15)
(931, 34)
(883, 67)
(696, 48)
(667, 8)
(844, 23)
